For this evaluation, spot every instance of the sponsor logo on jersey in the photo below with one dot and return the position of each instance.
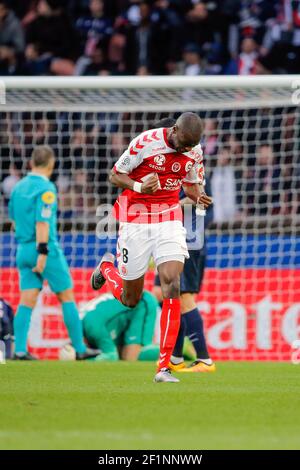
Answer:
(172, 185)
(176, 167)
(158, 168)
(188, 166)
(160, 160)
(124, 270)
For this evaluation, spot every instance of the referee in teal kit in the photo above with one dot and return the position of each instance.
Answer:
(33, 209)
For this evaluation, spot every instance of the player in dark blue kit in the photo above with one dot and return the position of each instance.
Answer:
(191, 324)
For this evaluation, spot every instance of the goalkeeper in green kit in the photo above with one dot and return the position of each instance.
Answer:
(121, 332)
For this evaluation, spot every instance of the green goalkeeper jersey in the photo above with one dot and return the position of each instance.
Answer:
(108, 324)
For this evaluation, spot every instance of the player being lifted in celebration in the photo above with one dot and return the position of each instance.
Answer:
(33, 207)
(151, 171)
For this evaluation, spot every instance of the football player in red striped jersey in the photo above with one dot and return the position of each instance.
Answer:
(151, 172)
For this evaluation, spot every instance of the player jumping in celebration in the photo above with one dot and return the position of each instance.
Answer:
(151, 171)
(32, 208)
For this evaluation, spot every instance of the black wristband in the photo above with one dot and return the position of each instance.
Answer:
(42, 249)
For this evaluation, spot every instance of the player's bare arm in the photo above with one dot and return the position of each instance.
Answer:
(122, 180)
(42, 238)
(196, 193)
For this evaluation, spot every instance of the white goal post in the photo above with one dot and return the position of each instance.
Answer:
(251, 293)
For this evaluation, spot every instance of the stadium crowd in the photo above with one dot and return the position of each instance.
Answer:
(98, 37)
(192, 37)
(258, 178)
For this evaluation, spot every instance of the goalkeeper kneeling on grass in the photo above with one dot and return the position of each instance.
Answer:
(121, 332)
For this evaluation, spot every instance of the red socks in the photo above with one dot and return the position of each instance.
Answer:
(169, 327)
(113, 279)
(169, 320)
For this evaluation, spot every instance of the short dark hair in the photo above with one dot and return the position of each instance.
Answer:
(41, 155)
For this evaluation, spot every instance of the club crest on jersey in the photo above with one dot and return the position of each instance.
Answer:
(176, 167)
(188, 166)
(160, 160)
(124, 270)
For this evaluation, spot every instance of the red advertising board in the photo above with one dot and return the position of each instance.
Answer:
(249, 314)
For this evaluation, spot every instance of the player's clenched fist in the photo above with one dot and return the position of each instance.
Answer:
(151, 185)
(204, 200)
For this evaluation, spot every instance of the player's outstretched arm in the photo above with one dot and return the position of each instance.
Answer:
(122, 180)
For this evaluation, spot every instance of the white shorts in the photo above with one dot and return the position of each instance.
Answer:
(165, 241)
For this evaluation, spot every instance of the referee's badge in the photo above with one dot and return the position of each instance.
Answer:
(48, 197)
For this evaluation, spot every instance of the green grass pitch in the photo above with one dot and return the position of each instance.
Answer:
(56, 405)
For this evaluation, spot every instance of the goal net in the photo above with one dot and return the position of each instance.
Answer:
(250, 298)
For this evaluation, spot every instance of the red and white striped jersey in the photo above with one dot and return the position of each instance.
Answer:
(151, 153)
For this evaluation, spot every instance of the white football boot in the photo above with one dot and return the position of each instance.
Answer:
(164, 375)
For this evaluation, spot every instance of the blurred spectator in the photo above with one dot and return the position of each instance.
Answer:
(83, 199)
(52, 44)
(211, 136)
(262, 188)
(95, 31)
(216, 57)
(116, 53)
(167, 36)
(192, 63)
(10, 181)
(12, 41)
(96, 64)
(199, 28)
(134, 12)
(77, 148)
(247, 57)
(223, 185)
(281, 43)
(139, 38)
(253, 15)
(66, 208)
